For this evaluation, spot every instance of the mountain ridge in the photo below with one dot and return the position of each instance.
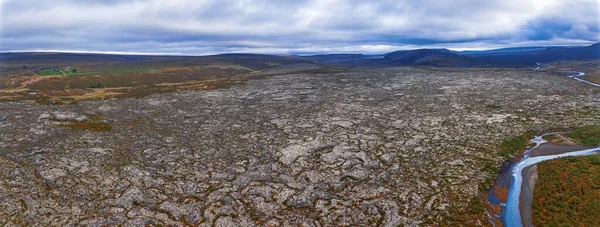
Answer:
(503, 57)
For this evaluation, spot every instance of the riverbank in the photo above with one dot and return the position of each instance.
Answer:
(578, 76)
(511, 196)
(529, 178)
(530, 175)
(497, 194)
(512, 216)
(554, 149)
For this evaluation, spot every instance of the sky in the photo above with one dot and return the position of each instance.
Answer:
(201, 27)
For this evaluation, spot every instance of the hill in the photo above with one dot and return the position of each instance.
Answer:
(505, 57)
(432, 57)
(520, 57)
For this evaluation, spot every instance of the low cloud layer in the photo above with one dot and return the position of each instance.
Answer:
(198, 27)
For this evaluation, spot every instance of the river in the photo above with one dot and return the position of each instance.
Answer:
(578, 77)
(511, 210)
(512, 213)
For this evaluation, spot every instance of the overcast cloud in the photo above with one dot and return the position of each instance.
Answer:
(199, 27)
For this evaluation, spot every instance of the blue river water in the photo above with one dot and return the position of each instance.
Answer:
(579, 74)
(512, 212)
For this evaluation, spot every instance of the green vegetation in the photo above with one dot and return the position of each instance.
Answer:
(242, 68)
(493, 107)
(54, 101)
(567, 192)
(93, 124)
(476, 206)
(588, 136)
(549, 137)
(68, 71)
(117, 71)
(89, 126)
(511, 147)
(490, 168)
(272, 64)
(473, 215)
(64, 79)
(58, 72)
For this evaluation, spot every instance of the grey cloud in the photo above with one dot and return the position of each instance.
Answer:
(214, 26)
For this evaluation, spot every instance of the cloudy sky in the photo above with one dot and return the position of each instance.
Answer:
(197, 27)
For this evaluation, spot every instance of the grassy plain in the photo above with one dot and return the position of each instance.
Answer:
(66, 78)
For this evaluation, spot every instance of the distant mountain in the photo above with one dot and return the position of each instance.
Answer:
(351, 60)
(41, 60)
(572, 53)
(54, 58)
(505, 57)
(519, 57)
(337, 57)
(433, 57)
(510, 50)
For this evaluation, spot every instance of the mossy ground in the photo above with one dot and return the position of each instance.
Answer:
(588, 136)
(513, 146)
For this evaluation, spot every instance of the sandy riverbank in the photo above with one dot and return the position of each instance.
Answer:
(553, 149)
(529, 178)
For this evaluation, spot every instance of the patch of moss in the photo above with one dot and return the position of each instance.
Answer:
(242, 68)
(588, 136)
(490, 168)
(47, 100)
(493, 107)
(549, 137)
(89, 126)
(476, 206)
(511, 147)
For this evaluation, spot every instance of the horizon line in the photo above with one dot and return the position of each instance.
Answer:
(458, 49)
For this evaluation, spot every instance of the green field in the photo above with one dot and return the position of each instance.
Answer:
(57, 72)
(117, 71)
(74, 71)
(242, 68)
